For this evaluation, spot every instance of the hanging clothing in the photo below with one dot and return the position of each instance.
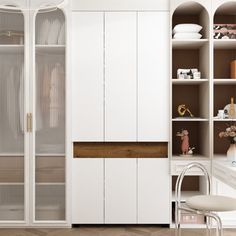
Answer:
(11, 101)
(56, 95)
(54, 32)
(42, 36)
(21, 99)
(61, 37)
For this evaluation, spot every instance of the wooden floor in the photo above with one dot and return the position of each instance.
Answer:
(110, 231)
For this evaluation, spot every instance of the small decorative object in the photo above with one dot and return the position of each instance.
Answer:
(185, 142)
(226, 115)
(230, 134)
(221, 114)
(231, 109)
(227, 110)
(233, 69)
(197, 75)
(190, 150)
(224, 31)
(188, 74)
(182, 109)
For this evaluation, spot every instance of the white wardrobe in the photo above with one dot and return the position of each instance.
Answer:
(33, 113)
(120, 94)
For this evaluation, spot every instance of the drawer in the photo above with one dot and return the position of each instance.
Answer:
(178, 165)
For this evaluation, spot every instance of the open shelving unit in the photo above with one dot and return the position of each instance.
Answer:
(195, 94)
(204, 97)
(224, 87)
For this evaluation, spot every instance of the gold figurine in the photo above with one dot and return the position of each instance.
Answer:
(182, 109)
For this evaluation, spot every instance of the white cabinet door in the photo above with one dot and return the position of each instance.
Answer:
(120, 191)
(88, 191)
(87, 76)
(153, 76)
(153, 191)
(120, 76)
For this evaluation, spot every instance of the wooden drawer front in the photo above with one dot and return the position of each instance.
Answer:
(120, 150)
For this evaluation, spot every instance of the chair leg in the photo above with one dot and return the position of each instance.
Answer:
(177, 218)
(208, 225)
(219, 225)
(177, 222)
(219, 228)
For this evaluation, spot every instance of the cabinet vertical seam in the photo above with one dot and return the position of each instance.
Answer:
(104, 78)
(137, 180)
(137, 102)
(137, 85)
(104, 113)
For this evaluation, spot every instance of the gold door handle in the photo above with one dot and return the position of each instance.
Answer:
(29, 122)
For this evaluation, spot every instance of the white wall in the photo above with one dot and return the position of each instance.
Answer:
(109, 5)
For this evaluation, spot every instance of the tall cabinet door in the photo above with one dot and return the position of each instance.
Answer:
(153, 76)
(87, 76)
(120, 76)
(12, 119)
(120, 191)
(49, 113)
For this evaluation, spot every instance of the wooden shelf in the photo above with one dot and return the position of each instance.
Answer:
(190, 119)
(225, 81)
(185, 195)
(11, 184)
(50, 48)
(188, 43)
(192, 158)
(50, 154)
(189, 81)
(50, 184)
(224, 120)
(3, 154)
(11, 49)
(224, 43)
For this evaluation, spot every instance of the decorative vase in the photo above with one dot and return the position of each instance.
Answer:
(231, 153)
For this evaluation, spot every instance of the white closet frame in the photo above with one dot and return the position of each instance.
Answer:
(29, 138)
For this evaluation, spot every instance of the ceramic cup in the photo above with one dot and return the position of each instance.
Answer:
(221, 114)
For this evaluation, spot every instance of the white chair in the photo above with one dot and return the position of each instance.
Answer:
(206, 205)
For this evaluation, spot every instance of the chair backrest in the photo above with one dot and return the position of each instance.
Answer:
(181, 177)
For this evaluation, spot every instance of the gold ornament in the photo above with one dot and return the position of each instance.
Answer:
(182, 109)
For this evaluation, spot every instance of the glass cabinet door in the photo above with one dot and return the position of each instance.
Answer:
(50, 115)
(12, 82)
